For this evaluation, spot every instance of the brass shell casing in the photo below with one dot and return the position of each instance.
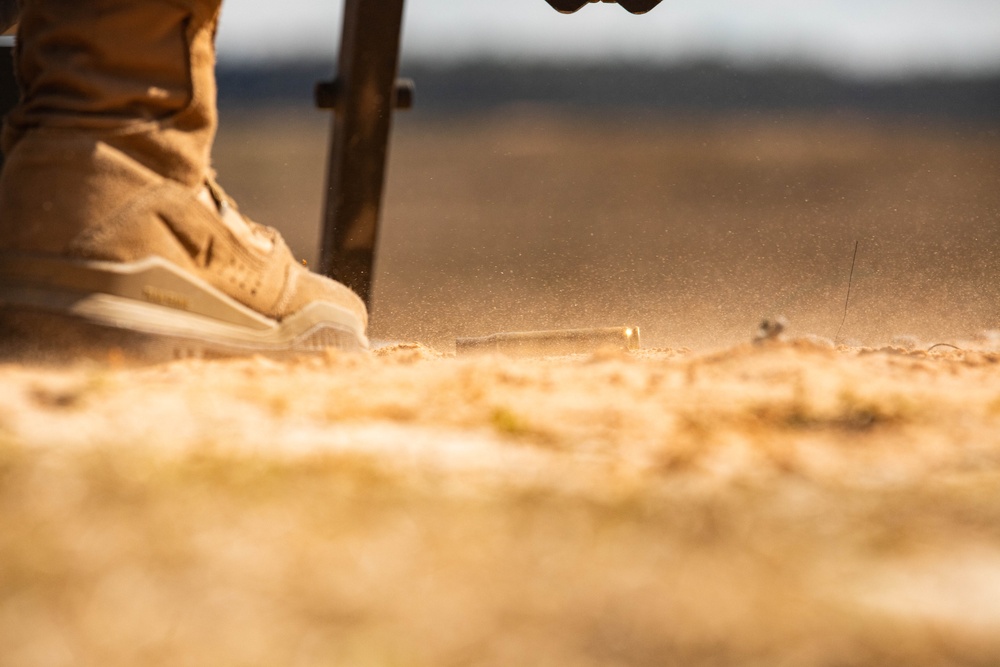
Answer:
(551, 343)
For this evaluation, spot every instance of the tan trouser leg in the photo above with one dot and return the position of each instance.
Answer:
(138, 74)
(117, 96)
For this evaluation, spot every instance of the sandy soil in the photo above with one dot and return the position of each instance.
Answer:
(706, 501)
(777, 504)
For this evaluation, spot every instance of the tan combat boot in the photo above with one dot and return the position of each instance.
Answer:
(113, 232)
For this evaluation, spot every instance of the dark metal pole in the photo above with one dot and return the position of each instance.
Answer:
(363, 97)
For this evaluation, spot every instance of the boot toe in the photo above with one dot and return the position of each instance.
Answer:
(308, 287)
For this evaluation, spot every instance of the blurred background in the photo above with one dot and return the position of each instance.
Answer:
(870, 38)
(692, 170)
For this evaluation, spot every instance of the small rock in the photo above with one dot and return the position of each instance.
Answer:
(770, 329)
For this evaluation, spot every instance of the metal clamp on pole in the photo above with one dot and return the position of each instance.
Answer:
(330, 95)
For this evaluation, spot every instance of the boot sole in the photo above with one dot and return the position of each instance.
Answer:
(58, 310)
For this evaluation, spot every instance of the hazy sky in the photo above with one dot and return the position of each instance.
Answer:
(868, 37)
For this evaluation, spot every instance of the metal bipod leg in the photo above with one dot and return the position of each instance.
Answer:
(363, 97)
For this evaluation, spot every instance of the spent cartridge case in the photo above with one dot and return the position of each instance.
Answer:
(548, 343)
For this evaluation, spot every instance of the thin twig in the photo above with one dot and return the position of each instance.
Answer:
(847, 303)
(954, 347)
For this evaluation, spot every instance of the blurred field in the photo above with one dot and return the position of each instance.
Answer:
(693, 228)
(706, 501)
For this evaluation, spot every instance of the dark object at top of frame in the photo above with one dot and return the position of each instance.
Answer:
(634, 6)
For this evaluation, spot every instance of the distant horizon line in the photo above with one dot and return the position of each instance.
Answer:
(695, 87)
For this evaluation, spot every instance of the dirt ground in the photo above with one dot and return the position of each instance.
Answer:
(705, 501)
(775, 504)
